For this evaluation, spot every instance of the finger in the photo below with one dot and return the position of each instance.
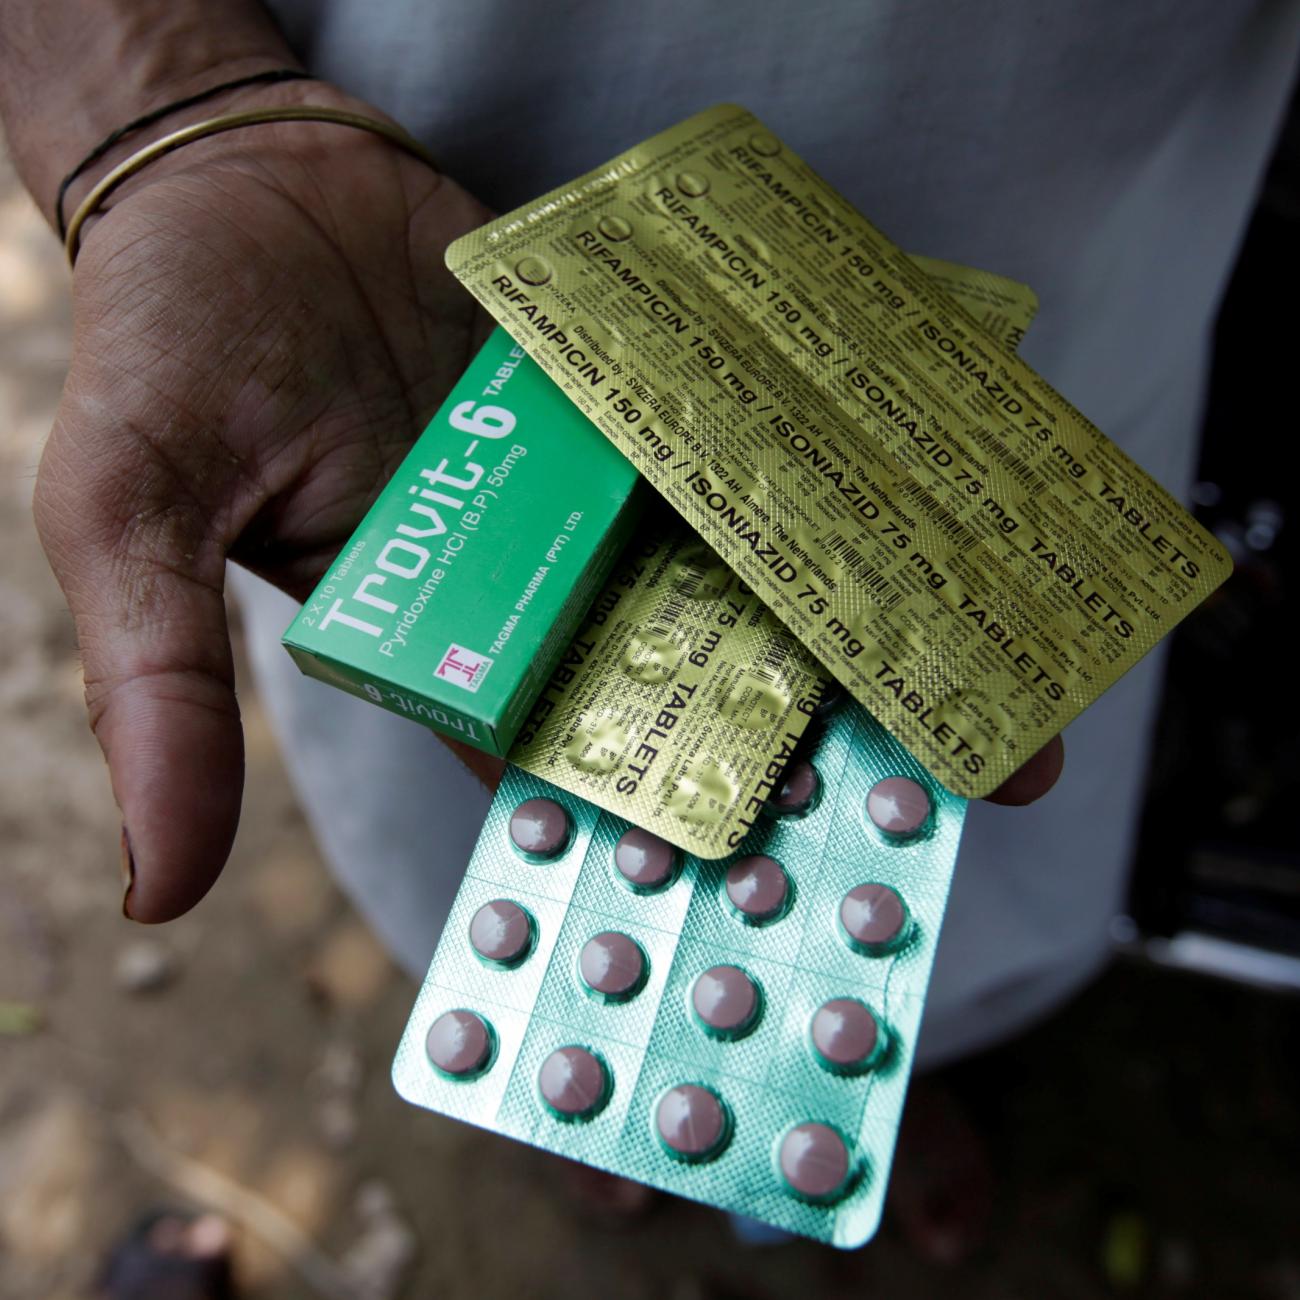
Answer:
(488, 768)
(1034, 779)
(143, 577)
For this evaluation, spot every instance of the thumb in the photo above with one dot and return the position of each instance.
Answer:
(140, 561)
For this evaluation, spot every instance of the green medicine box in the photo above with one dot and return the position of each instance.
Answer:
(454, 599)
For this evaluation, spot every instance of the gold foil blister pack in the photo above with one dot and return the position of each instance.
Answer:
(969, 556)
(1005, 308)
(619, 703)
(680, 700)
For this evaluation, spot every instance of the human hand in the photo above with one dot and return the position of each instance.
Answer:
(1034, 778)
(262, 324)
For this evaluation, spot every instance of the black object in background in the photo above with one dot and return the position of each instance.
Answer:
(1219, 850)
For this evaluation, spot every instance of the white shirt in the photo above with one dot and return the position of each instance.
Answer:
(1106, 154)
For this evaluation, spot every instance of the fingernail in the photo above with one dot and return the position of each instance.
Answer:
(128, 874)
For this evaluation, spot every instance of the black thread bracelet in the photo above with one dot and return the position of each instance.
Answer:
(148, 119)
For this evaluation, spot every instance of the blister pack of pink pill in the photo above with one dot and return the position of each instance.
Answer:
(738, 1031)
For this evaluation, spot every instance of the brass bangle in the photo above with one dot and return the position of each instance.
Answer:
(231, 122)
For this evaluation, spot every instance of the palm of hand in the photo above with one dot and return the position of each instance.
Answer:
(261, 330)
(259, 335)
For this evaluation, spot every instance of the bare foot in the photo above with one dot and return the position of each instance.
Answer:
(941, 1190)
(171, 1256)
(606, 1198)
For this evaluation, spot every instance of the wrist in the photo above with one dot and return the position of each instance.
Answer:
(225, 100)
(273, 134)
(72, 71)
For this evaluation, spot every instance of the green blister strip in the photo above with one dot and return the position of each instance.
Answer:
(769, 1079)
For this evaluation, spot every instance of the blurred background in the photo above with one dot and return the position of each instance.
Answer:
(1146, 1142)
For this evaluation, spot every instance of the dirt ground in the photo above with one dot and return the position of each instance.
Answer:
(1147, 1141)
